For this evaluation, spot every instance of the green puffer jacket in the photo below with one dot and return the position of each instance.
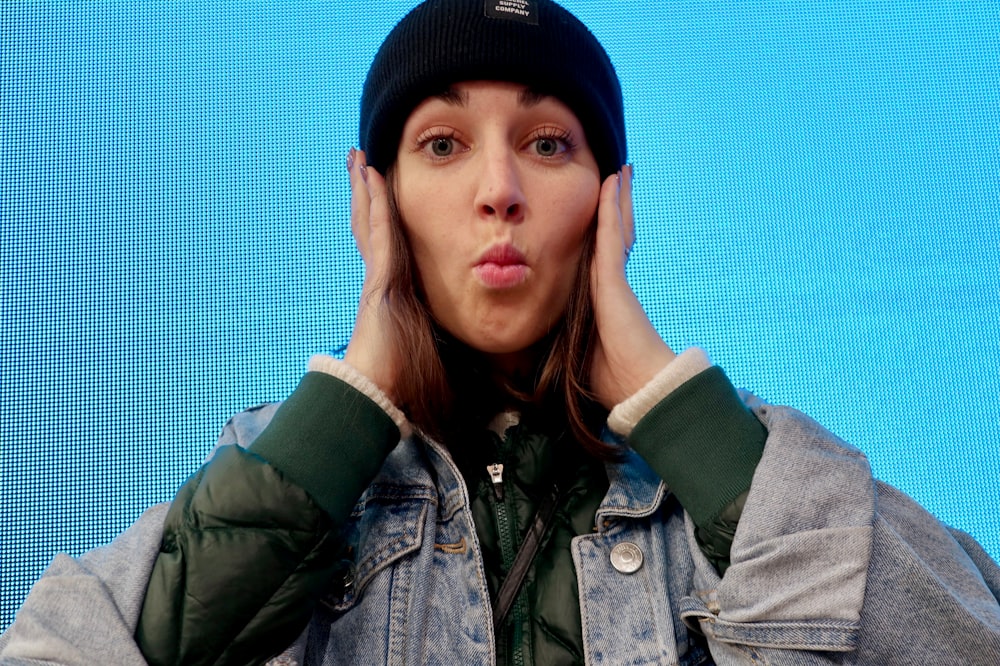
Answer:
(274, 514)
(544, 622)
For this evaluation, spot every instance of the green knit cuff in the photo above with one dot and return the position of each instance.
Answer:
(704, 442)
(330, 439)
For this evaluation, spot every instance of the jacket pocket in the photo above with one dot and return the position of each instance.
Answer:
(387, 524)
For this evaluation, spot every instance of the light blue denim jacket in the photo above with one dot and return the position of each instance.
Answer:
(828, 566)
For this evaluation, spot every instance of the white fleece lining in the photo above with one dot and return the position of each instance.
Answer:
(504, 420)
(346, 372)
(624, 417)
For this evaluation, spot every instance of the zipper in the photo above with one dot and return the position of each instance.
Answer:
(506, 529)
(496, 475)
(503, 513)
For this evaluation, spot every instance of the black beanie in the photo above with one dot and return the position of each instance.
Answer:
(536, 43)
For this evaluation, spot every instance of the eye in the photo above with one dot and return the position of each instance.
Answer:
(441, 146)
(547, 146)
(439, 143)
(549, 142)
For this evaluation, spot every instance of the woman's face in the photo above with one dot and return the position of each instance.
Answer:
(496, 188)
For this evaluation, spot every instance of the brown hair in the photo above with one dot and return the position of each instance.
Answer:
(444, 387)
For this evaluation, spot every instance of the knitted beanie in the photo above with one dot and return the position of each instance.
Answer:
(536, 43)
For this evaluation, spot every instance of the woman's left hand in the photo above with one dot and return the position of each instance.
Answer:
(628, 352)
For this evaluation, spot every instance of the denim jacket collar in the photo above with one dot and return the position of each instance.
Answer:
(635, 491)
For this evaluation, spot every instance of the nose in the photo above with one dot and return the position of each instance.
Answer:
(500, 195)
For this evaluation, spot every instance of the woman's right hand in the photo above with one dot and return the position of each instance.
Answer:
(370, 351)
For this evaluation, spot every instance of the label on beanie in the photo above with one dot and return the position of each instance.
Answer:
(525, 11)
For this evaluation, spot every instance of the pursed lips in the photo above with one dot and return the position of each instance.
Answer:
(502, 254)
(502, 266)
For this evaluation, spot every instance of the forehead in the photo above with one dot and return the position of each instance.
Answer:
(458, 95)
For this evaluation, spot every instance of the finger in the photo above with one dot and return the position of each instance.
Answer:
(360, 202)
(378, 219)
(625, 203)
(610, 251)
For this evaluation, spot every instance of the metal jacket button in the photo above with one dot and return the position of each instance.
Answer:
(626, 557)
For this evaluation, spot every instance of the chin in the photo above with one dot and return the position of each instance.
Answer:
(496, 347)
(502, 343)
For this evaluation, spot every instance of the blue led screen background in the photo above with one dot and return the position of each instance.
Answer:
(817, 202)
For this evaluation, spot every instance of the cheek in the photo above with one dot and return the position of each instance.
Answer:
(420, 215)
(569, 248)
(579, 218)
(436, 261)
(427, 260)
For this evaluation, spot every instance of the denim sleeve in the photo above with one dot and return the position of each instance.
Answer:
(830, 566)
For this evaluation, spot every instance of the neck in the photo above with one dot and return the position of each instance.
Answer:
(510, 377)
(517, 370)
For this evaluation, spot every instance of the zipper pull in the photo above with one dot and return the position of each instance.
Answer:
(496, 474)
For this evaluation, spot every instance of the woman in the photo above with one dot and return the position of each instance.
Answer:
(509, 464)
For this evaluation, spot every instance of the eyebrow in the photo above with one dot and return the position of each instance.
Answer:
(526, 98)
(453, 97)
(529, 97)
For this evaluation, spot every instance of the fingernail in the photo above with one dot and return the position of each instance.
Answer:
(350, 158)
(618, 176)
(364, 172)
